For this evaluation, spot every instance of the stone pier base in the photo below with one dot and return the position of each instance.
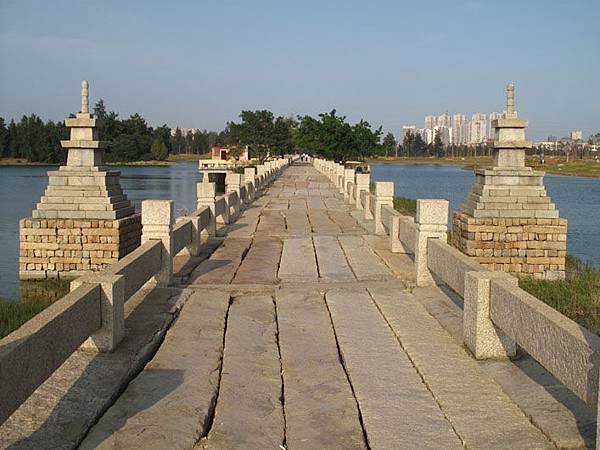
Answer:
(51, 248)
(522, 246)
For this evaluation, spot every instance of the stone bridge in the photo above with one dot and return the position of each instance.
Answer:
(298, 328)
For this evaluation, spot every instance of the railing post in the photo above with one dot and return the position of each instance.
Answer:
(232, 185)
(261, 175)
(432, 222)
(362, 184)
(340, 178)
(348, 177)
(250, 177)
(157, 223)
(193, 248)
(384, 196)
(480, 335)
(112, 310)
(395, 243)
(368, 199)
(206, 198)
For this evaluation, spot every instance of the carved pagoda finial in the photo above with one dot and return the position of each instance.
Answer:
(85, 97)
(510, 100)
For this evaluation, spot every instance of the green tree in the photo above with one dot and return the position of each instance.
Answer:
(389, 145)
(159, 150)
(408, 142)
(256, 130)
(3, 139)
(178, 140)
(419, 147)
(438, 145)
(333, 137)
(164, 134)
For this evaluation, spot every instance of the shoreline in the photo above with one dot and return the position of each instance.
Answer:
(23, 163)
(578, 168)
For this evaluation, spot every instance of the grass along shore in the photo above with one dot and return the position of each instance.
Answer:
(35, 297)
(577, 296)
(555, 165)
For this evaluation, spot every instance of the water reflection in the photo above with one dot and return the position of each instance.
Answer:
(22, 186)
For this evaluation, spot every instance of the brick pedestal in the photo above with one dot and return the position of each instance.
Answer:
(522, 246)
(52, 248)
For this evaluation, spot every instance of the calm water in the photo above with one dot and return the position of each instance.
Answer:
(577, 198)
(22, 186)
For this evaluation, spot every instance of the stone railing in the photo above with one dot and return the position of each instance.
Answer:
(497, 314)
(92, 314)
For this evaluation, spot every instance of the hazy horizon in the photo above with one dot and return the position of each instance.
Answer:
(198, 64)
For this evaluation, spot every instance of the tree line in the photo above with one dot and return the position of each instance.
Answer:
(330, 135)
(131, 139)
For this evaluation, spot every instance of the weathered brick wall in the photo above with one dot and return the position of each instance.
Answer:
(51, 247)
(523, 246)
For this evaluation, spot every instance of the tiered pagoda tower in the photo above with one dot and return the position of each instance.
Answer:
(508, 222)
(83, 221)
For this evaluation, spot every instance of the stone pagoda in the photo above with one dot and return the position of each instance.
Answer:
(83, 221)
(508, 222)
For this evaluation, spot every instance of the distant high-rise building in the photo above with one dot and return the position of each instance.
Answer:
(577, 135)
(430, 122)
(493, 116)
(185, 131)
(443, 132)
(460, 130)
(444, 120)
(478, 128)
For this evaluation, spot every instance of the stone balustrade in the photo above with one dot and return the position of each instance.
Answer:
(497, 314)
(92, 314)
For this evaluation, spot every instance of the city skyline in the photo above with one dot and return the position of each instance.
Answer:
(458, 129)
(209, 61)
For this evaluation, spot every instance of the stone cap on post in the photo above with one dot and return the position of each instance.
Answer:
(249, 174)
(233, 182)
(384, 191)
(432, 214)
(363, 180)
(205, 191)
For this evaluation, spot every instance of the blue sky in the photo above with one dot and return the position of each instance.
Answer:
(198, 63)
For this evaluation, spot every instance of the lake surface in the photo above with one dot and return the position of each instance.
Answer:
(577, 198)
(21, 187)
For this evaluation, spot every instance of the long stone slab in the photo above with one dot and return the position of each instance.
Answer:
(271, 222)
(365, 264)
(344, 220)
(398, 411)
(298, 261)
(222, 265)
(170, 403)
(296, 222)
(261, 263)
(321, 223)
(320, 409)
(331, 259)
(480, 412)
(249, 412)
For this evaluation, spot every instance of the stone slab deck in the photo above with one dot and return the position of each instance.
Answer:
(326, 344)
